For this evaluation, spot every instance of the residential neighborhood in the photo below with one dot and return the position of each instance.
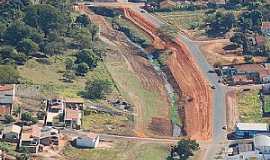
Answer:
(134, 79)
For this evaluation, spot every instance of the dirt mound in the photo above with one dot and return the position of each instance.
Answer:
(198, 111)
(161, 126)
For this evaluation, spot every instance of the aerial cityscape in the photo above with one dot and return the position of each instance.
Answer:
(134, 80)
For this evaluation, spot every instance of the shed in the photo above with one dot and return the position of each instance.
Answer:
(262, 143)
(11, 133)
(251, 129)
(87, 142)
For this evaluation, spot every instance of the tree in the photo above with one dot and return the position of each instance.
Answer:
(8, 119)
(82, 68)
(87, 56)
(69, 63)
(9, 55)
(82, 20)
(16, 32)
(220, 23)
(27, 116)
(9, 75)
(45, 17)
(97, 88)
(184, 149)
(27, 46)
(250, 20)
(69, 76)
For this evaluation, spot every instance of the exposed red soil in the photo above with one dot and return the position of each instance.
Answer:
(161, 126)
(198, 111)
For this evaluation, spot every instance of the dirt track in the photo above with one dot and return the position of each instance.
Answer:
(198, 111)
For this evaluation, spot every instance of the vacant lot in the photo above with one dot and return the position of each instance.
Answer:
(249, 107)
(49, 76)
(106, 123)
(121, 150)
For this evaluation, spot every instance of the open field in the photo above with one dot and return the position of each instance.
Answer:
(248, 103)
(121, 150)
(106, 123)
(49, 76)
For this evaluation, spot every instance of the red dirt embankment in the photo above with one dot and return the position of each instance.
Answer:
(198, 110)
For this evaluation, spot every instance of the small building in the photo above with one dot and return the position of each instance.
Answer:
(73, 118)
(262, 144)
(55, 106)
(167, 4)
(91, 141)
(74, 104)
(30, 139)
(247, 130)
(49, 136)
(266, 28)
(11, 133)
(7, 96)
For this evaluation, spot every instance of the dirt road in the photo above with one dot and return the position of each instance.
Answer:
(198, 107)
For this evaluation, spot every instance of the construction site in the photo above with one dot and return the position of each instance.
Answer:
(195, 89)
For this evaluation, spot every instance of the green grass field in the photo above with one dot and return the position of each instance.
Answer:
(182, 19)
(121, 150)
(131, 88)
(266, 103)
(249, 107)
(49, 76)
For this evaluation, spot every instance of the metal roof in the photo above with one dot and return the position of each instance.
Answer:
(252, 126)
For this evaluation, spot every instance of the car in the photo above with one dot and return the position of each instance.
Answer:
(224, 127)
(213, 87)
(211, 71)
(142, 11)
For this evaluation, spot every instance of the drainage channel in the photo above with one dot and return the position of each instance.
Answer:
(174, 115)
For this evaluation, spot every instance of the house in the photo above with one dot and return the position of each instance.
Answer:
(262, 144)
(30, 139)
(266, 28)
(258, 148)
(11, 133)
(55, 111)
(90, 141)
(73, 118)
(246, 130)
(74, 104)
(167, 4)
(260, 41)
(55, 106)
(7, 96)
(49, 136)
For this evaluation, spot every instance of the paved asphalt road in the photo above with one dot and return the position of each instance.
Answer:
(219, 106)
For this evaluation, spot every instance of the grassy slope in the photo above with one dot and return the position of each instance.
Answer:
(249, 107)
(49, 76)
(131, 88)
(121, 150)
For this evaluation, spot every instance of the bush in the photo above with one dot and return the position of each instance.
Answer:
(27, 116)
(9, 74)
(8, 119)
(97, 88)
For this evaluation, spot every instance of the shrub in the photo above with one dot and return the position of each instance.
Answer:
(97, 88)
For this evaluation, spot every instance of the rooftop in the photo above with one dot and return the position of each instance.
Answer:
(266, 25)
(72, 114)
(261, 140)
(252, 126)
(12, 128)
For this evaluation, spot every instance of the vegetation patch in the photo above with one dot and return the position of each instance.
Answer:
(121, 150)
(249, 107)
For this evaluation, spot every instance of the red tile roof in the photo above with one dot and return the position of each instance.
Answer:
(265, 25)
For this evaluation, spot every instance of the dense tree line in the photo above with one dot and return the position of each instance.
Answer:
(28, 30)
